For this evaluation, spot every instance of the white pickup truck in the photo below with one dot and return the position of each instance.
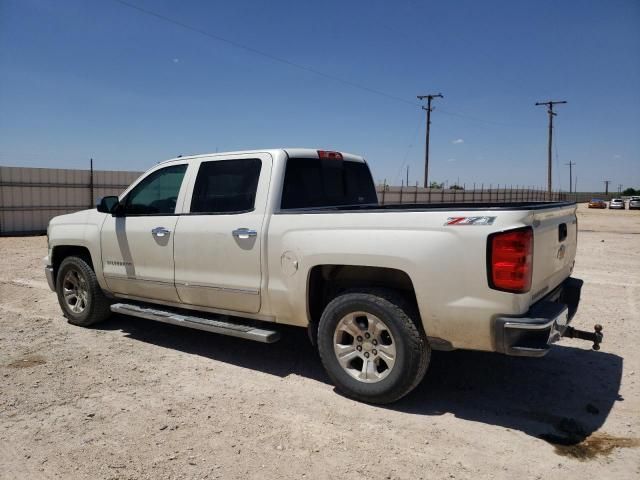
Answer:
(236, 243)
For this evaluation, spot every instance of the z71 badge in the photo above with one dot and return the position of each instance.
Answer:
(470, 221)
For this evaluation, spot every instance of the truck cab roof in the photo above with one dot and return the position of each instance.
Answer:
(290, 152)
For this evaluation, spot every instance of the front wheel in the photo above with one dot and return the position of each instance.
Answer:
(371, 348)
(79, 294)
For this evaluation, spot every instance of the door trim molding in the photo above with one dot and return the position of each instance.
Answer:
(244, 291)
(137, 279)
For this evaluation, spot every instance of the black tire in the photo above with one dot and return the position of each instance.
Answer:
(96, 304)
(411, 346)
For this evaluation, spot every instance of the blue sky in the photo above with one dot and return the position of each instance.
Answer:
(95, 78)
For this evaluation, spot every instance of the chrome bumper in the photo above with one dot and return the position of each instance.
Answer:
(532, 334)
(48, 272)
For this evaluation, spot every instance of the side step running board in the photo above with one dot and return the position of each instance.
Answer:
(224, 327)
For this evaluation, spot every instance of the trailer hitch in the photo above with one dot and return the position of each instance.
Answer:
(595, 336)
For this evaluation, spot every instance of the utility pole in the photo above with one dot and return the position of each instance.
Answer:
(551, 113)
(426, 147)
(407, 175)
(606, 186)
(619, 189)
(571, 164)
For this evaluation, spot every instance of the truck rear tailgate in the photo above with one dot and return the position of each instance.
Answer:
(554, 248)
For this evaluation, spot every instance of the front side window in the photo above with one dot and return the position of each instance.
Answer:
(157, 194)
(226, 186)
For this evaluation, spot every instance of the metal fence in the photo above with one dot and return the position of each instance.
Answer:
(398, 195)
(478, 194)
(30, 197)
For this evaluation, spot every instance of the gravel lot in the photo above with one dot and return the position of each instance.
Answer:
(134, 399)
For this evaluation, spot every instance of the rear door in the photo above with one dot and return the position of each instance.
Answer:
(554, 242)
(137, 244)
(218, 240)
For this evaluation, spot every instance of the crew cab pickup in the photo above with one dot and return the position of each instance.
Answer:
(237, 243)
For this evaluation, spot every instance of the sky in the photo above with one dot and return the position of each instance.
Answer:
(102, 79)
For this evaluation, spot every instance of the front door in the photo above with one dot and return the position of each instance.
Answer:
(218, 241)
(137, 243)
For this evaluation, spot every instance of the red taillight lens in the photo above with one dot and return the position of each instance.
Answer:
(329, 155)
(511, 260)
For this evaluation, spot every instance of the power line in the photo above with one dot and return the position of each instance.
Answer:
(552, 114)
(428, 109)
(480, 120)
(255, 51)
(299, 66)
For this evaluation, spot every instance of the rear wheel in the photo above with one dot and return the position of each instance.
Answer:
(370, 346)
(79, 294)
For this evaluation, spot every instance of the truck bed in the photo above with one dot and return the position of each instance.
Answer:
(419, 207)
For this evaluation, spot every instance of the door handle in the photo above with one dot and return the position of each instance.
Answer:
(160, 232)
(244, 233)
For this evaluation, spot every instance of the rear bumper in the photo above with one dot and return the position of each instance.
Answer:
(531, 334)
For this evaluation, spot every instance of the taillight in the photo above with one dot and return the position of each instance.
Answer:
(329, 155)
(510, 260)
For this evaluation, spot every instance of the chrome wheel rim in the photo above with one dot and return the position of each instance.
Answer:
(75, 291)
(364, 347)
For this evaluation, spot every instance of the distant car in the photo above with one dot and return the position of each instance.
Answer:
(617, 203)
(634, 203)
(597, 203)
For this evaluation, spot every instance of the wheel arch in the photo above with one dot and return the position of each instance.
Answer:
(326, 281)
(60, 252)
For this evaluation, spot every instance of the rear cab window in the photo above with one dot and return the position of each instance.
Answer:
(316, 183)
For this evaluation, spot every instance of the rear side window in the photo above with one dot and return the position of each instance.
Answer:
(156, 194)
(226, 186)
(310, 182)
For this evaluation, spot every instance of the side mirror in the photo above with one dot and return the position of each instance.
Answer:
(107, 204)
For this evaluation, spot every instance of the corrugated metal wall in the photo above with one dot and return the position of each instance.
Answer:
(30, 197)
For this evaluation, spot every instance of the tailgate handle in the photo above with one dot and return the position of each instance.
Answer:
(562, 232)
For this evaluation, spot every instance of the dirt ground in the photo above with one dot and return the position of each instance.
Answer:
(132, 399)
